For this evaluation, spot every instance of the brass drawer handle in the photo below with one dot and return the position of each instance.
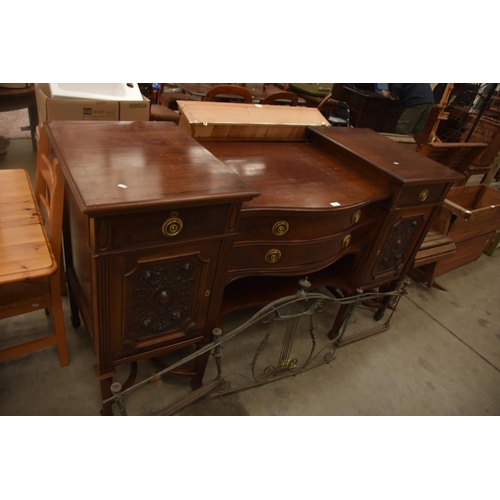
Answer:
(424, 195)
(273, 256)
(172, 226)
(356, 216)
(280, 228)
(346, 241)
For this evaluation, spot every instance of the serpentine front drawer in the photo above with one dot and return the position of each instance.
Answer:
(288, 226)
(283, 256)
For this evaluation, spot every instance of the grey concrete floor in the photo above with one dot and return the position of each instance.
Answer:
(441, 356)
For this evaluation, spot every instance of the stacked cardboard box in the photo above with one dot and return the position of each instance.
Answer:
(87, 109)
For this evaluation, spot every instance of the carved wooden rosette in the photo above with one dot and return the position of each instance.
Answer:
(161, 298)
(163, 301)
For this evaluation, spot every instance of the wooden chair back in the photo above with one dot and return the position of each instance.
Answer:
(282, 98)
(44, 293)
(325, 99)
(49, 191)
(228, 89)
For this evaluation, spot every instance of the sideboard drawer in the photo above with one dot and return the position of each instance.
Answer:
(128, 231)
(422, 194)
(280, 256)
(282, 227)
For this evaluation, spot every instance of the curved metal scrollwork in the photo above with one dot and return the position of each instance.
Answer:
(281, 316)
(285, 362)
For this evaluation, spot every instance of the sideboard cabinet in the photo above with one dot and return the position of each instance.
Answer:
(164, 233)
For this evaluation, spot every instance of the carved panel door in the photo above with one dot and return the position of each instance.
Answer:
(394, 250)
(164, 297)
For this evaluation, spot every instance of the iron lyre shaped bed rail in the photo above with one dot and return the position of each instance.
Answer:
(288, 309)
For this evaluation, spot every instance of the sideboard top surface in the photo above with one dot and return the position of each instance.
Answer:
(388, 158)
(296, 175)
(113, 167)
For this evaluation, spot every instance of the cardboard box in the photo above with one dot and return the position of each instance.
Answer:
(87, 109)
(216, 120)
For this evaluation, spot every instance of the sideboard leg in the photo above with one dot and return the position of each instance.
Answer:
(107, 408)
(340, 318)
(379, 314)
(200, 364)
(105, 381)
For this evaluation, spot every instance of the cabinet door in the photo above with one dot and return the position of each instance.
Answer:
(397, 247)
(161, 298)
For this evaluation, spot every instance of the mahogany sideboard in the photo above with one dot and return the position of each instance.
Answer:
(163, 233)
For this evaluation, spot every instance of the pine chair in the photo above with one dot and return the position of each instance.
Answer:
(44, 293)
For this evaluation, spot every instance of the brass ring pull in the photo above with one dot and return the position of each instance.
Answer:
(423, 195)
(356, 216)
(280, 228)
(346, 241)
(273, 256)
(172, 226)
